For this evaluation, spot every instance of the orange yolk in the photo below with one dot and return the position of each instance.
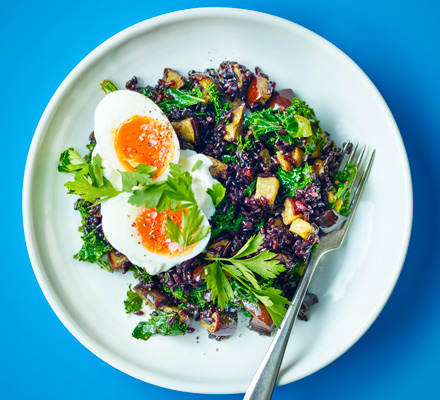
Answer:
(143, 140)
(151, 228)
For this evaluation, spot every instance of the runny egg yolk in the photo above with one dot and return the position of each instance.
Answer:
(151, 228)
(143, 140)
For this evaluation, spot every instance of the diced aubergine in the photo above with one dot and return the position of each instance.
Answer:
(283, 98)
(220, 324)
(265, 155)
(327, 219)
(259, 92)
(284, 164)
(198, 273)
(204, 81)
(290, 212)
(261, 320)
(116, 260)
(151, 296)
(187, 129)
(216, 167)
(301, 228)
(184, 316)
(235, 127)
(215, 248)
(267, 188)
(169, 75)
(297, 156)
(318, 167)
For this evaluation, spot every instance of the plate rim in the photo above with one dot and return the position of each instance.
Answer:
(148, 25)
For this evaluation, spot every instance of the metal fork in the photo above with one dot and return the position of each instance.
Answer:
(263, 383)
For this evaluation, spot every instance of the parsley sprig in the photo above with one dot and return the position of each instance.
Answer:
(174, 194)
(244, 270)
(89, 182)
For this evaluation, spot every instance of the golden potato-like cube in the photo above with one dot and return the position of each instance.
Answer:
(318, 167)
(265, 155)
(301, 228)
(235, 127)
(286, 165)
(268, 188)
(216, 167)
(188, 129)
(290, 212)
(171, 75)
(298, 156)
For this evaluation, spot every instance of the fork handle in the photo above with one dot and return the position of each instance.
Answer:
(263, 383)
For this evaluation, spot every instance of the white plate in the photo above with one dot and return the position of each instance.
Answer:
(353, 284)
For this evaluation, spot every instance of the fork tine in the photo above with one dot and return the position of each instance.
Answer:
(344, 153)
(358, 194)
(352, 154)
(358, 163)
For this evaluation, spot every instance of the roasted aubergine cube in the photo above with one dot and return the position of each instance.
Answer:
(281, 99)
(220, 324)
(187, 129)
(152, 296)
(234, 128)
(261, 320)
(171, 76)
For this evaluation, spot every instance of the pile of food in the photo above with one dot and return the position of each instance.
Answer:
(213, 189)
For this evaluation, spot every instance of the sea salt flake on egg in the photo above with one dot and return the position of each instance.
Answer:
(130, 129)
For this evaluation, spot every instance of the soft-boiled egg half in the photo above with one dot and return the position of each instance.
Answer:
(131, 130)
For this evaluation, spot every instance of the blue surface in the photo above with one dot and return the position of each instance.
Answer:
(394, 42)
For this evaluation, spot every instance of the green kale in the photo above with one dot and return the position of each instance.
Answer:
(222, 221)
(227, 158)
(344, 180)
(181, 99)
(215, 98)
(299, 107)
(133, 301)
(160, 322)
(297, 178)
(198, 298)
(315, 143)
(146, 92)
(93, 249)
(295, 122)
(141, 274)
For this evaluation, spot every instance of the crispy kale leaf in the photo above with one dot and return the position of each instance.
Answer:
(133, 301)
(222, 221)
(181, 99)
(297, 178)
(160, 322)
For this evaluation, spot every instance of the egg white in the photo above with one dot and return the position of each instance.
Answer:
(114, 109)
(118, 217)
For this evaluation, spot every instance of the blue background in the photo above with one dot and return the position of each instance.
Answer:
(395, 42)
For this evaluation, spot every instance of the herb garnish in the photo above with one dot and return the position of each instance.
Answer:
(108, 86)
(172, 195)
(243, 269)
